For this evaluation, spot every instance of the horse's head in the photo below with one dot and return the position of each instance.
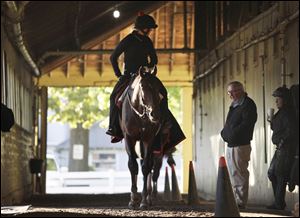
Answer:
(146, 89)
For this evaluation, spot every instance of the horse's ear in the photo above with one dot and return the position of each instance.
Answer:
(154, 71)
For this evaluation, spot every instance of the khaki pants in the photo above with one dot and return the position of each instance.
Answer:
(237, 161)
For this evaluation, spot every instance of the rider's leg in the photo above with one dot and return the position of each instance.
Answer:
(112, 115)
(164, 102)
(114, 111)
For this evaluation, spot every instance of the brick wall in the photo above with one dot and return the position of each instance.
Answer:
(16, 146)
(16, 179)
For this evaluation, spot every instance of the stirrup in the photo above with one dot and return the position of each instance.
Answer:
(109, 132)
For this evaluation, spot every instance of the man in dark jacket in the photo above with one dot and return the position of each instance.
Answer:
(237, 132)
(137, 48)
(283, 126)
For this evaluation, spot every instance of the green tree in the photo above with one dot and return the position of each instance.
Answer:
(80, 108)
(78, 105)
(85, 106)
(174, 102)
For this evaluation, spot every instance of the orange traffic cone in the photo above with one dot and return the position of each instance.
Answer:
(225, 201)
(176, 196)
(192, 192)
(167, 191)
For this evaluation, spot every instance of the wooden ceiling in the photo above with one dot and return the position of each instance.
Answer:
(73, 25)
(56, 26)
(175, 68)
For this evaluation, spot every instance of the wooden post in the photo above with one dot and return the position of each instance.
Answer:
(44, 108)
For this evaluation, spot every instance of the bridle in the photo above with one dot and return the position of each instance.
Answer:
(146, 109)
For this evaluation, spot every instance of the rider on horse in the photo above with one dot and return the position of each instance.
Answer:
(137, 47)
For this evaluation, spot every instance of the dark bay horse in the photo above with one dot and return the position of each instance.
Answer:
(141, 121)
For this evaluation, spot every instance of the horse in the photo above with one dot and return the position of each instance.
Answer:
(141, 121)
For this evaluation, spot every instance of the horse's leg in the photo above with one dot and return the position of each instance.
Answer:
(157, 163)
(142, 152)
(146, 168)
(133, 167)
(149, 189)
(149, 178)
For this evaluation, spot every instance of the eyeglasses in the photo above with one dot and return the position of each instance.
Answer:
(233, 91)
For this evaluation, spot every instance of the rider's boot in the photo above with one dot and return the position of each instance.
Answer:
(114, 129)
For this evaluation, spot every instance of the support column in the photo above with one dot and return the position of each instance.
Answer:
(44, 108)
(187, 122)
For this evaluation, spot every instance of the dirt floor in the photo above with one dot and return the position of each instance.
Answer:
(74, 205)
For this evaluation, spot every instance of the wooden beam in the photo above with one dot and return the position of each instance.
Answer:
(179, 76)
(101, 64)
(185, 24)
(156, 33)
(211, 24)
(187, 126)
(172, 36)
(201, 22)
(67, 69)
(99, 36)
(191, 44)
(84, 65)
(222, 19)
(165, 26)
(218, 19)
(44, 108)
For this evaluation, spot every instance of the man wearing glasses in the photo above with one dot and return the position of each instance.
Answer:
(238, 132)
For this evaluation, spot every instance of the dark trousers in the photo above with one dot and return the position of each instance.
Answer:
(279, 189)
(164, 103)
(114, 110)
(278, 174)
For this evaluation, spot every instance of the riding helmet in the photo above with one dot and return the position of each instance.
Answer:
(144, 21)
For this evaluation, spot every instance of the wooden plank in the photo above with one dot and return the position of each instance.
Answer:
(67, 69)
(172, 37)
(156, 33)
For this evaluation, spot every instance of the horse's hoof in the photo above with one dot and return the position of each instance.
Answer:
(133, 205)
(144, 206)
(154, 195)
(149, 200)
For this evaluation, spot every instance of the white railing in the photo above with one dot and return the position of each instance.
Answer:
(96, 182)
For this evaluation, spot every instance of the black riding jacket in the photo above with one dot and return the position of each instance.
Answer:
(137, 48)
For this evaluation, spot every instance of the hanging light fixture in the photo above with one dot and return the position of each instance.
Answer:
(116, 13)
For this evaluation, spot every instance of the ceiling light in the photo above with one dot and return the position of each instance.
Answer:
(116, 13)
